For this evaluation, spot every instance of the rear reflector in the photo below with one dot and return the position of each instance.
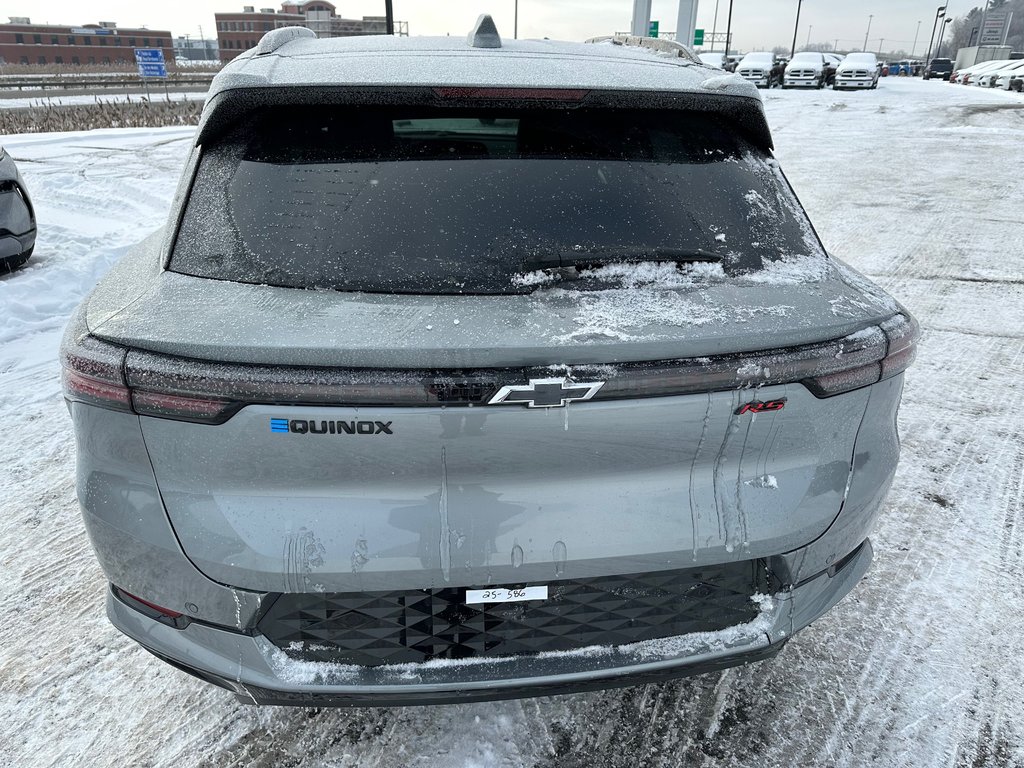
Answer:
(166, 616)
(158, 608)
(199, 391)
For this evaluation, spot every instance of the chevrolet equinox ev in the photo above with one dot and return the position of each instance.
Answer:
(469, 369)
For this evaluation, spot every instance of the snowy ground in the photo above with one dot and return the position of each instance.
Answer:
(920, 666)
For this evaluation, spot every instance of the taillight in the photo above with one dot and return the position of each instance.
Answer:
(152, 384)
(97, 373)
(92, 371)
(827, 369)
(898, 347)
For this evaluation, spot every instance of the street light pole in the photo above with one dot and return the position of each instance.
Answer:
(796, 27)
(916, 35)
(942, 33)
(515, 24)
(389, 18)
(809, 28)
(939, 13)
(870, 17)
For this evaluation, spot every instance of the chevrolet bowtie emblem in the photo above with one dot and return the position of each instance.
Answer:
(546, 393)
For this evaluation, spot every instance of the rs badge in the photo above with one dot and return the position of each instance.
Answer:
(758, 407)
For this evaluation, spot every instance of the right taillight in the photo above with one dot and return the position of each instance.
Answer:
(826, 369)
(893, 345)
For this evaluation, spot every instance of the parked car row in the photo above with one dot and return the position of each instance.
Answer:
(807, 69)
(1006, 74)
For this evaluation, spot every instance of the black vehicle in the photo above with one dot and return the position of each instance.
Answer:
(939, 68)
(17, 218)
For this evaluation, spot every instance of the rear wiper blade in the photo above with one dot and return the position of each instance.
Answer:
(588, 259)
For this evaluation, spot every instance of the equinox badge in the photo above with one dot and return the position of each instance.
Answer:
(546, 393)
(324, 427)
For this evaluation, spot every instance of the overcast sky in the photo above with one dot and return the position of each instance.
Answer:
(757, 24)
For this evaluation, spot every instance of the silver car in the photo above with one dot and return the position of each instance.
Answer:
(475, 369)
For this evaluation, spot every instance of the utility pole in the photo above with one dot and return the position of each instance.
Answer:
(916, 35)
(881, 42)
(870, 17)
(728, 30)
(809, 28)
(796, 26)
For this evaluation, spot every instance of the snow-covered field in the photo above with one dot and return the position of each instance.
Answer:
(156, 94)
(923, 665)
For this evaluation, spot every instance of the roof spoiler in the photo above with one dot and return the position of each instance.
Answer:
(276, 38)
(669, 48)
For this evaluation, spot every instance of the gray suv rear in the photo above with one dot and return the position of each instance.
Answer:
(469, 370)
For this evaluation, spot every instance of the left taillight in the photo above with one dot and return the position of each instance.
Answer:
(96, 372)
(92, 371)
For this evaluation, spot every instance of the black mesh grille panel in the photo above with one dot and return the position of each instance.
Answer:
(375, 628)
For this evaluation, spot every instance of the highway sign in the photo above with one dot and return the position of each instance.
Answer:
(698, 37)
(150, 62)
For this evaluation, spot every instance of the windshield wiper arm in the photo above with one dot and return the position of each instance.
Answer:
(584, 258)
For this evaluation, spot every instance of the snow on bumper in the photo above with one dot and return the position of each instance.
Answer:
(257, 671)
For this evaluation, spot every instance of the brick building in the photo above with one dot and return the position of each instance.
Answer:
(22, 42)
(237, 32)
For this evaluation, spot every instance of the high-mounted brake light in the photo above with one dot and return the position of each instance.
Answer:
(513, 94)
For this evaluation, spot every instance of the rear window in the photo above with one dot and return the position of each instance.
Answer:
(449, 201)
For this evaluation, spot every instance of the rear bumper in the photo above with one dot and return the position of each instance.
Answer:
(258, 672)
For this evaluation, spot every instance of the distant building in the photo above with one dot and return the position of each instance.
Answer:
(237, 32)
(195, 48)
(22, 42)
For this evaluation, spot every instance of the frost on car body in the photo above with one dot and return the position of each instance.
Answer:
(543, 322)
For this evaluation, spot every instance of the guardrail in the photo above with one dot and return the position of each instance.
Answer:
(125, 81)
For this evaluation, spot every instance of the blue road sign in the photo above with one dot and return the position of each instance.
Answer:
(151, 69)
(153, 55)
(150, 62)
